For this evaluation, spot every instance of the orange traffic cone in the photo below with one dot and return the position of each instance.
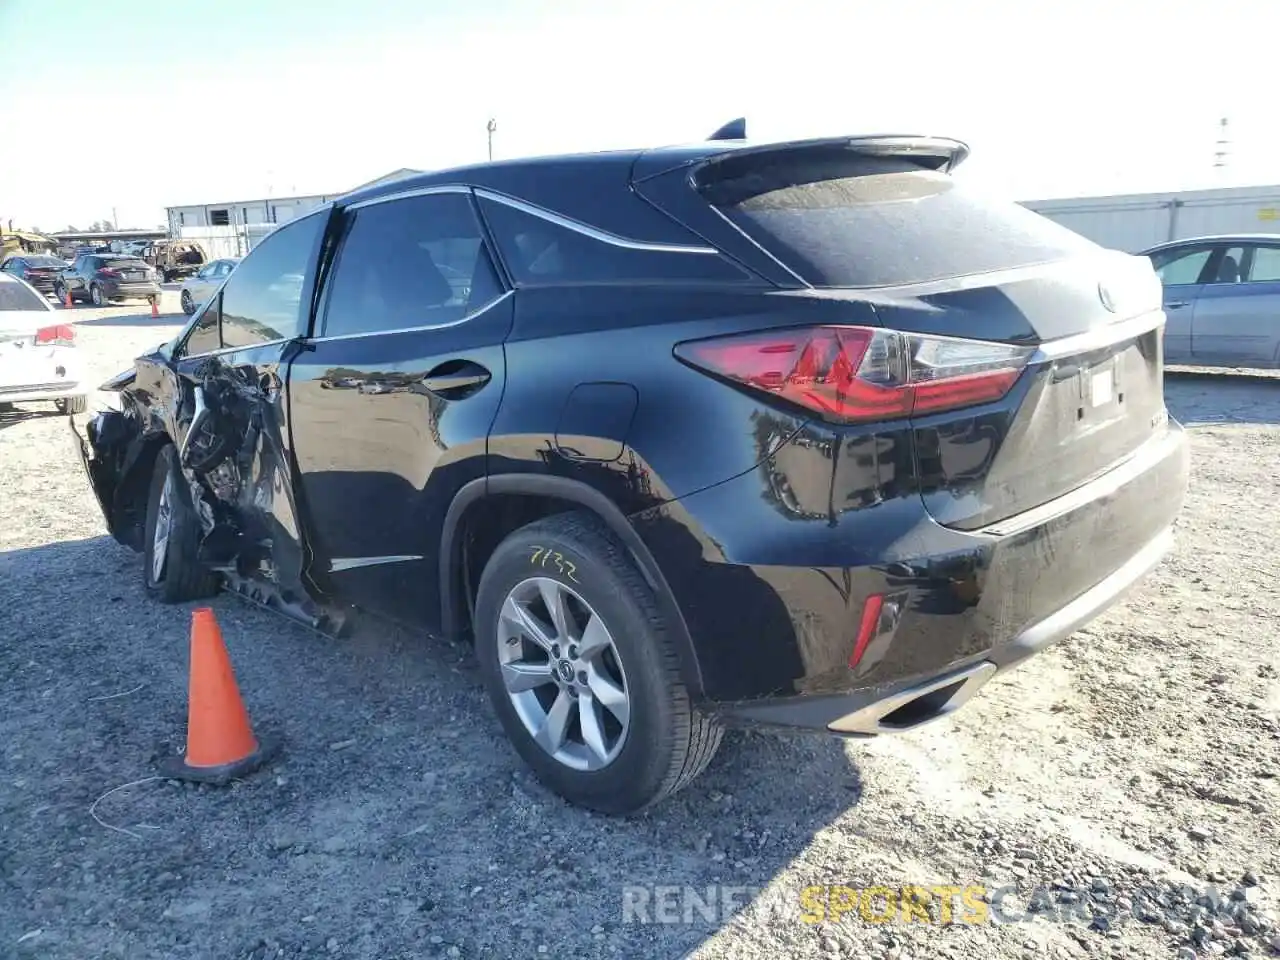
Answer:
(66, 301)
(155, 306)
(220, 741)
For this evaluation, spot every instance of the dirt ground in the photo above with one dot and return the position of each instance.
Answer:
(1115, 797)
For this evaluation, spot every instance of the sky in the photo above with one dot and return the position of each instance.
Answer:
(107, 108)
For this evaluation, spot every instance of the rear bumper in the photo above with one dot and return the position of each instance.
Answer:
(773, 598)
(133, 291)
(40, 373)
(35, 392)
(910, 704)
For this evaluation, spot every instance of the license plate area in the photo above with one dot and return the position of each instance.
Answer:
(1100, 386)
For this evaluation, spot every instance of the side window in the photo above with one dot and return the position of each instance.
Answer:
(205, 335)
(1228, 266)
(223, 270)
(1180, 266)
(1265, 267)
(415, 262)
(538, 251)
(263, 300)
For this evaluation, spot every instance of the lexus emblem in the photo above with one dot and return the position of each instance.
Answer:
(1104, 294)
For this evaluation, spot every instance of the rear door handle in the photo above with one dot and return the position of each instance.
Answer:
(455, 379)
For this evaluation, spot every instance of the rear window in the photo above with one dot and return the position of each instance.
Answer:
(840, 219)
(124, 263)
(45, 262)
(16, 296)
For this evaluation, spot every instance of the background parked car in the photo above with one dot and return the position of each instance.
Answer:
(175, 259)
(38, 269)
(38, 358)
(103, 277)
(201, 286)
(1222, 298)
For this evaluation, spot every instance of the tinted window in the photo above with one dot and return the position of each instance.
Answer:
(538, 251)
(16, 296)
(124, 263)
(1228, 266)
(263, 299)
(44, 262)
(1180, 266)
(409, 263)
(1266, 265)
(839, 219)
(12, 265)
(205, 335)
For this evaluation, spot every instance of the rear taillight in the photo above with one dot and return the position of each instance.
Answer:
(859, 374)
(108, 272)
(61, 335)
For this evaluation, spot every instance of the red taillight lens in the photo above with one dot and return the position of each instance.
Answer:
(859, 374)
(108, 272)
(62, 334)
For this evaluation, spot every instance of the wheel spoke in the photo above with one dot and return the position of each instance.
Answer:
(561, 618)
(595, 639)
(519, 676)
(611, 696)
(551, 734)
(516, 613)
(592, 735)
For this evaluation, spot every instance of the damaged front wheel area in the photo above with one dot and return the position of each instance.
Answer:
(171, 571)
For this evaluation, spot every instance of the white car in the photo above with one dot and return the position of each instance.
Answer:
(38, 355)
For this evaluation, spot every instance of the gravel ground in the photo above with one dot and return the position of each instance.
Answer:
(1115, 797)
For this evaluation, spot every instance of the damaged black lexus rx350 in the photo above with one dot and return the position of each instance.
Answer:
(808, 435)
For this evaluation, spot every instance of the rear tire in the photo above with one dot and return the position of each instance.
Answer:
(663, 743)
(96, 295)
(73, 405)
(171, 537)
(188, 305)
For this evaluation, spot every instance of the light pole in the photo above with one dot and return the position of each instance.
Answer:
(491, 126)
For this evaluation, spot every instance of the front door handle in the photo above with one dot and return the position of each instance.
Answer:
(455, 379)
(1175, 304)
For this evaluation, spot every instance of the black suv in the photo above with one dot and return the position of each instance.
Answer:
(808, 435)
(103, 277)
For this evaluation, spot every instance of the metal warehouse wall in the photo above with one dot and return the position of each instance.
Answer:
(1133, 222)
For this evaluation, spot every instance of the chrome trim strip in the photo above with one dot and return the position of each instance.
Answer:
(406, 194)
(595, 233)
(1099, 338)
(432, 326)
(869, 720)
(355, 563)
(222, 350)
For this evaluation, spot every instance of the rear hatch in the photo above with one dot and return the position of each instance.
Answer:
(951, 269)
(43, 271)
(127, 269)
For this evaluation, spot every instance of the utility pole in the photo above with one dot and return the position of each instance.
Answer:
(1222, 150)
(115, 221)
(491, 126)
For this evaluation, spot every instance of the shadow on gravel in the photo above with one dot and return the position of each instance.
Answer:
(133, 320)
(13, 417)
(397, 823)
(1201, 398)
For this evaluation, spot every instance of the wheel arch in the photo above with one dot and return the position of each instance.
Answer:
(129, 502)
(455, 602)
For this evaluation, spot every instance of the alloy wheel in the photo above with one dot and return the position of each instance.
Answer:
(160, 536)
(563, 674)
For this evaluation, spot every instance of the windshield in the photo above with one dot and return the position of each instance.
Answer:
(44, 262)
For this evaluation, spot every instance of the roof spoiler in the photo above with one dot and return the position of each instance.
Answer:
(945, 153)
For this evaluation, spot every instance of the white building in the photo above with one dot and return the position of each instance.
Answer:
(232, 228)
(1135, 221)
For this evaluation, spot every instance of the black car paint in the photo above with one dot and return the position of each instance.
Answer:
(36, 270)
(762, 537)
(85, 272)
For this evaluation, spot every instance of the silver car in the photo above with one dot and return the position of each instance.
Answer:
(201, 286)
(1222, 298)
